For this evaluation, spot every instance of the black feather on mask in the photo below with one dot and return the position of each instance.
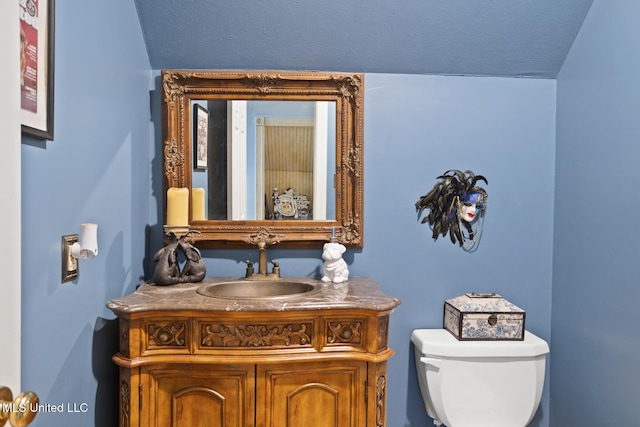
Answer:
(444, 203)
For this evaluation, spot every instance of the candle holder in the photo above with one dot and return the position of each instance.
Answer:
(178, 230)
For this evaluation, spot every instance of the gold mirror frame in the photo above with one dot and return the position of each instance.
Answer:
(181, 87)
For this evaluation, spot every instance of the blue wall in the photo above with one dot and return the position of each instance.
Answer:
(104, 167)
(98, 169)
(595, 341)
(417, 127)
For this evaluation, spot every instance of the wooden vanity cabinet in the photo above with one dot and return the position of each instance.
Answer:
(180, 395)
(292, 368)
(328, 394)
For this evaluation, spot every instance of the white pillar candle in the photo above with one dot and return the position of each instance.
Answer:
(197, 204)
(177, 207)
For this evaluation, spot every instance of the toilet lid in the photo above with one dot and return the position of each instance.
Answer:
(441, 343)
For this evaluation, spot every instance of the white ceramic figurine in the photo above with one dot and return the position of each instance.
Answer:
(334, 268)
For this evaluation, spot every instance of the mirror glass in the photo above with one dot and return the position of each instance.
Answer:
(267, 156)
(279, 163)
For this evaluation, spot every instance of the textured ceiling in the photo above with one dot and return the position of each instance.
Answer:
(515, 38)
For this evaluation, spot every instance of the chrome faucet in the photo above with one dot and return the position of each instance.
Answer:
(263, 271)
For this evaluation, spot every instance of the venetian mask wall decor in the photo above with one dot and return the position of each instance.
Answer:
(456, 207)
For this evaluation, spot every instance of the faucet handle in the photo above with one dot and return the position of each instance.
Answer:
(250, 270)
(276, 268)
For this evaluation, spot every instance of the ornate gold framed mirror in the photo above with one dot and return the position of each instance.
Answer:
(276, 157)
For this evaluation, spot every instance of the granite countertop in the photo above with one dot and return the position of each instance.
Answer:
(356, 293)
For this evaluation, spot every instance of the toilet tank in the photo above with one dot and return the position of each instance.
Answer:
(480, 383)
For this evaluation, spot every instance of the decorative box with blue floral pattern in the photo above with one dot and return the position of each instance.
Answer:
(483, 317)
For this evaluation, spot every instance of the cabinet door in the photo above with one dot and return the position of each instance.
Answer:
(321, 394)
(200, 396)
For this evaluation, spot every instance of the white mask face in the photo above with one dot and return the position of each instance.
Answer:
(468, 211)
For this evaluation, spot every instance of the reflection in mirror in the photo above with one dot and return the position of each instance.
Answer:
(265, 160)
(267, 156)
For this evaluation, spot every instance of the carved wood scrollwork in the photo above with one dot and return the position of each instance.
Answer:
(255, 335)
(263, 83)
(172, 87)
(351, 230)
(338, 332)
(174, 159)
(381, 391)
(383, 332)
(125, 396)
(263, 237)
(167, 334)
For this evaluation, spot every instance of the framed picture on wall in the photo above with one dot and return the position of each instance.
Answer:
(200, 136)
(37, 19)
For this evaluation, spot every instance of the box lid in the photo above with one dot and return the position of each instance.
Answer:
(483, 303)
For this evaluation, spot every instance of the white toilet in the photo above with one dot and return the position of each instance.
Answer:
(479, 383)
